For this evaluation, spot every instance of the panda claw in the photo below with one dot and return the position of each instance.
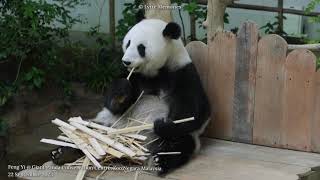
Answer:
(63, 155)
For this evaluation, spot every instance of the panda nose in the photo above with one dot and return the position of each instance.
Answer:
(126, 63)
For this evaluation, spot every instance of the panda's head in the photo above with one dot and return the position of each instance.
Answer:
(152, 44)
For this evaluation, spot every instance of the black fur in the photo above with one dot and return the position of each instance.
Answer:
(62, 155)
(140, 16)
(142, 50)
(120, 96)
(128, 44)
(184, 144)
(186, 99)
(172, 30)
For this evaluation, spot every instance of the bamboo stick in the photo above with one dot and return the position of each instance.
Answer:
(112, 151)
(143, 127)
(168, 153)
(94, 143)
(152, 141)
(136, 175)
(104, 139)
(143, 148)
(131, 129)
(91, 124)
(80, 143)
(83, 169)
(59, 143)
(130, 74)
(63, 124)
(136, 136)
(63, 138)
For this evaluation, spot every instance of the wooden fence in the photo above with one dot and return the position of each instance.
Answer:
(259, 92)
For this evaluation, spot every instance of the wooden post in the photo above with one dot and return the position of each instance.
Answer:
(157, 13)
(245, 81)
(280, 16)
(112, 22)
(215, 16)
(192, 27)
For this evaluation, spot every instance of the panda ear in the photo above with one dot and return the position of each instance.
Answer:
(140, 16)
(172, 31)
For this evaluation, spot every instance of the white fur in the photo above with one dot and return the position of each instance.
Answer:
(105, 117)
(160, 51)
(196, 135)
(148, 109)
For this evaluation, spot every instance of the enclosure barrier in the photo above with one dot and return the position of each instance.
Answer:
(259, 92)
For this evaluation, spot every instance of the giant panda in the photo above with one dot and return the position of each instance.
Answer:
(172, 88)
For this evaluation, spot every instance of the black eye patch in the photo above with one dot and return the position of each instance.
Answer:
(142, 50)
(128, 44)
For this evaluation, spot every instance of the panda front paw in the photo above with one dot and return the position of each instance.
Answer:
(105, 117)
(63, 155)
(161, 162)
(163, 127)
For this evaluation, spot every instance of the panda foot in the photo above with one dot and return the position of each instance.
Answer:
(169, 162)
(63, 155)
(185, 147)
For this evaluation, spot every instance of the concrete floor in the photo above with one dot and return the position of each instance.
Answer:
(217, 160)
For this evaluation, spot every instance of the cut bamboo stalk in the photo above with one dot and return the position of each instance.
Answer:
(83, 169)
(84, 138)
(130, 74)
(141, 147)
(136, 136)
(92, 151)
(91, 124)
(168, 153)
(152, 141)
(104, 139)
(80, 143)
(63, 124)
(136, 175)
(143, 127)
(63, 138)
(112, 151)
(59, 143)
(94, 143)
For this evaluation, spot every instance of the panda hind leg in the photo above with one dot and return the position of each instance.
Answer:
(62, 155)
(186, 145)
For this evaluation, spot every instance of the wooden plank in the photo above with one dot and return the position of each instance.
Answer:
(268, 111)
(299, 100)
(315, 135)
(245, 81)
(198, 52)
(221, 63)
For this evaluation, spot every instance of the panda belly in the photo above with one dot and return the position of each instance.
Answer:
(147, 110)
(150, 108)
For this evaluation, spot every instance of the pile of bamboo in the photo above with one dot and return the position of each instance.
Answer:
(101, 144)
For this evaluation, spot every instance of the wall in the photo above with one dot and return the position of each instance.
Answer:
(293, 24)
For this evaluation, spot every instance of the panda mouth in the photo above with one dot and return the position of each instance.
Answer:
(136, 69)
